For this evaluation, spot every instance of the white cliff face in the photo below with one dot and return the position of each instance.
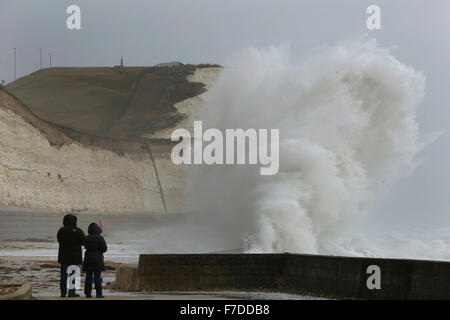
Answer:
(35, 173)
(73, 177)
(173, 177)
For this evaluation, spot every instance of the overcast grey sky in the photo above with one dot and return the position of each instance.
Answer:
(146, 32)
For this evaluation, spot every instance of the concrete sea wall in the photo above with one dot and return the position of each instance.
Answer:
(341, 277)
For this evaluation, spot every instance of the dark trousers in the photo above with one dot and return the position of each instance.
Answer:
(63, 281)
(88, 283)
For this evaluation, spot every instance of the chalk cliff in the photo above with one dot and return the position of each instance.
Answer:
(47, 166)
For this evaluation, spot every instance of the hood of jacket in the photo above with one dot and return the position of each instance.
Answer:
(70, 220)
(94, 229)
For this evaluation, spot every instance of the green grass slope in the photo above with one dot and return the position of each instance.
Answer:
(120, 102)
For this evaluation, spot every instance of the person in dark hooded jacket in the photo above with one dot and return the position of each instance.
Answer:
(94, 264)
(70, 240)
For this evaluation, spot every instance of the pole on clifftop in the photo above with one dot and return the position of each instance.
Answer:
(15, 64)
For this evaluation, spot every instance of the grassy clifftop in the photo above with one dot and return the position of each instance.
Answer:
(119, 102)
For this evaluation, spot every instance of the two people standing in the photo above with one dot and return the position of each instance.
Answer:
(70, 239)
